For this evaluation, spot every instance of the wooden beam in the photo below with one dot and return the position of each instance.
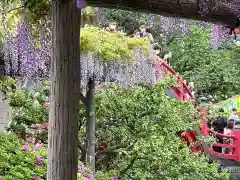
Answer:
(216, 11)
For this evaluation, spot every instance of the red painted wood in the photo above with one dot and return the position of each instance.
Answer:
(221, 155)
(236, 142)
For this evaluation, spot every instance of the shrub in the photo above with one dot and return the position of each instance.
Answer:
(19, 160)
(111, 46)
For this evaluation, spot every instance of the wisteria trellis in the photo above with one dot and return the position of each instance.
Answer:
(23, 57)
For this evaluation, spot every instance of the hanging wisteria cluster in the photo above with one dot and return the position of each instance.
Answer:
(45, 40)
(173, 25)
(219, 32)
(126, 75)
(22, 55)
(218, 35)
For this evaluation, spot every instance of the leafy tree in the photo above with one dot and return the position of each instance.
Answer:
(214, 72)
(136, 134)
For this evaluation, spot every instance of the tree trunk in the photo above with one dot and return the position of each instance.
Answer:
(90, 126)
(65, 87)
(213, 11)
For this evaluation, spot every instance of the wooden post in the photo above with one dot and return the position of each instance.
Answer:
(90, 126)
(65, 87)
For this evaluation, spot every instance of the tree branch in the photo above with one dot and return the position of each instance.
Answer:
(112, 149)
(79, 145)
(104, 124)
(171, 40)
(82, 149)
(110, 152)
(83, 98)
(20, 7)
(124, 145)
(122, 172)
(81, 123)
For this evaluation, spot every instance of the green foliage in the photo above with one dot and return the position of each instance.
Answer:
(15, 163)
(38, 8)
(214, 72)
(9, 25)
(127, 19)
(140, 125)
(28, 108)
(6, 84)
(89, 11)
(111, 46)
(19, 161)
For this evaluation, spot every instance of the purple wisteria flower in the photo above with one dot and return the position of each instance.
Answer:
(3, 20)
(219, 34)
(27, 53)
(81, 3)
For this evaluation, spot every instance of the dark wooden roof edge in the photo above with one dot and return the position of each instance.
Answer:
(189, 9)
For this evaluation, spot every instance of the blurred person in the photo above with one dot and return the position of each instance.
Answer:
(218, 126)
(228, 131)
(112, 27)
(234, 115)
(148, 35)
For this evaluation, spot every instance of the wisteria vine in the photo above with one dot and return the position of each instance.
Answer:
(23, 57)
(21, 54)
(218, 35)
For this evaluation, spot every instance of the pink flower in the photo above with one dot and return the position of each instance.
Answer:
(37, 178)
(39, 161)
(39, 146)
(80, 168)
(32, 150)
(38, 158)
(89, 178)
(1, 178)
(26, 147)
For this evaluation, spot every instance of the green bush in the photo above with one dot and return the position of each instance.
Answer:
(28, 108)
(111, 46)
(22, 161)
(17, 163)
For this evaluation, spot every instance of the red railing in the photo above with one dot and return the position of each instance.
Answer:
(180, 93)
(181, 83)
